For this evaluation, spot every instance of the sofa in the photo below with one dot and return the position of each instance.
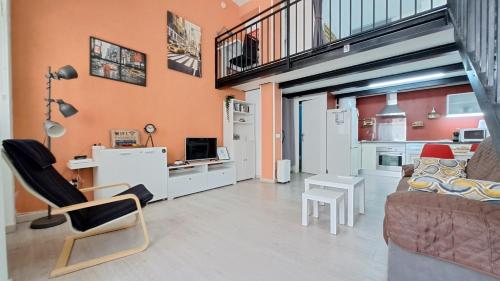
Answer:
(444, 237)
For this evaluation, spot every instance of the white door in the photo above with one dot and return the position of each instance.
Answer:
(312, 116)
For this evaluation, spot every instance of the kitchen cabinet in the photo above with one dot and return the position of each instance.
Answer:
(461, 151)
(413, 151)
(369, 156)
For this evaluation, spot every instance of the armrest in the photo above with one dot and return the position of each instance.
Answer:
(79, 206)
(407, 170)
(87, 189)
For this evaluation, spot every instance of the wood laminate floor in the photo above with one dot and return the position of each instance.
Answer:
(250, 231)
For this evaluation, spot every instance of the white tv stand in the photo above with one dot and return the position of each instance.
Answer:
(199, 176)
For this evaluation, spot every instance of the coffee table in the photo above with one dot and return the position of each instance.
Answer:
(341, 182)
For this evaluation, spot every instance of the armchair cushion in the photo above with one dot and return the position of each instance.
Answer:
(33, 150)
(102, 214)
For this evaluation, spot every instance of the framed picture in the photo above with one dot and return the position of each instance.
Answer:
(184, 45)
(222, 153)
(112, 61)
(125, 137)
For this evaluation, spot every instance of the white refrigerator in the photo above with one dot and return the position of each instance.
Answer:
(343, 148)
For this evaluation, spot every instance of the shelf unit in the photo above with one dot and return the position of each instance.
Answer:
(199, 176)
(239, 136)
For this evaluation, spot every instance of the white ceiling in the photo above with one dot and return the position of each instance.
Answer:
(241, 2)
(450, 58)
(399, 48)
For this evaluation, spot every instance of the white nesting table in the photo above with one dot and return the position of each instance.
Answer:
(343, 182)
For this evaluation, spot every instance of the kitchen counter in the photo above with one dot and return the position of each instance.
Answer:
(409, 150)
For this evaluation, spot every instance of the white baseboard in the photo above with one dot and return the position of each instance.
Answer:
(27, 217)
(10, 228)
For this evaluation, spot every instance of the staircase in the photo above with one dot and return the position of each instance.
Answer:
(477, 33)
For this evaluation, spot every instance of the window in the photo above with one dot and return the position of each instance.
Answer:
(458, 105)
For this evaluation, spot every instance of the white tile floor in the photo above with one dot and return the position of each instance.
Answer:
(249, 231)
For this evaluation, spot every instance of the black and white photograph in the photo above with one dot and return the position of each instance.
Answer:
(184, 45)
(112, 61)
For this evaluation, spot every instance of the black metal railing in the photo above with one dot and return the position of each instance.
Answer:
(477, 33)
(293, 27)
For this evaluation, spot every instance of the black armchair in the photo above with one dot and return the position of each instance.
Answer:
(32, 162)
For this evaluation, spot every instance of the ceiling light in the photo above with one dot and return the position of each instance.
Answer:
(405, 80)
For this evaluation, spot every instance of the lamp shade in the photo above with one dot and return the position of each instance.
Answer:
(67, 72)
(53, 129)
(66, 109)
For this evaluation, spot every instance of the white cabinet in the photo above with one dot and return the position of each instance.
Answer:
(369, 156)
(245, 159)
(199, 176)
(147, 166)
(462, 151)
(220, 176)
(186, 184)
(413, 151)
(239, 137)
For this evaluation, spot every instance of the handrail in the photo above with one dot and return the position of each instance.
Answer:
(292, 27)
(477, 29)
(252, 18)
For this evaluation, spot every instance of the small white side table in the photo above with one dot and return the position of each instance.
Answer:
(334, 198)
(342, 182)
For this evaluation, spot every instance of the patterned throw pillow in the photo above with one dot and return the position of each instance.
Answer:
(439, 168)
(468, 188)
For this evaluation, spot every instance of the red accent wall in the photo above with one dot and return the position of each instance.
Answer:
(417, 104)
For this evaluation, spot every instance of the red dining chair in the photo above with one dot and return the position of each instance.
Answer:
(442, 151)
(474, 147)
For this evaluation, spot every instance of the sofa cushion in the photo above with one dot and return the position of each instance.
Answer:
(484, 164)
(468, 188)
(439, 168)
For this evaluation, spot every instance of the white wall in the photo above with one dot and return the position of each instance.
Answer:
(6, 179)
(7, 213)
(321, 124)
(254, 97)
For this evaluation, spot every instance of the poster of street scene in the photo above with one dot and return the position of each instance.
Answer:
(111, 61)
(184, 45)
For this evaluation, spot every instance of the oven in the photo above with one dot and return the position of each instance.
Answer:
(390, 158)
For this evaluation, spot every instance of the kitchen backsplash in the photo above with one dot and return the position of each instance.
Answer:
(416, 104)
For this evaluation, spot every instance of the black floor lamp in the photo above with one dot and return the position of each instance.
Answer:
(55, 130)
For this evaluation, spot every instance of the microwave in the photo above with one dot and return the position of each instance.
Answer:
(472, 135)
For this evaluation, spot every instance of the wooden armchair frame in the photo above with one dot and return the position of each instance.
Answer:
(62, 266)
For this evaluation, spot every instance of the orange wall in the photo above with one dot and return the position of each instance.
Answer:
(267, 165)
(270, 112)
(56, 33)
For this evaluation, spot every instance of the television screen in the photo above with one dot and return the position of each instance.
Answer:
(201, 148)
